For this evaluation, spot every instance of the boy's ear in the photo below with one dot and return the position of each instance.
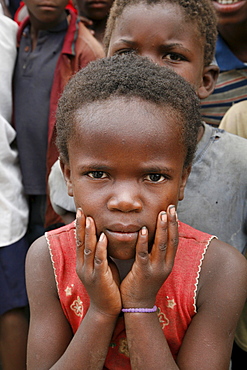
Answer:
(67, 175)
(185, 176)
(210, 75)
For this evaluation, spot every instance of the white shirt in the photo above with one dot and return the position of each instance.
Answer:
(13, 203)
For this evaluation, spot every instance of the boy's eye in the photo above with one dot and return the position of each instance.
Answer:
(124, 51)
(174, 56)
(97, 174)
(155, 177)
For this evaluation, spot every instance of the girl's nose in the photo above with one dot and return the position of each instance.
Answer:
(125, 199)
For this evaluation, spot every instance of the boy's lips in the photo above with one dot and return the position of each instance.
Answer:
(96, 4)
(228, 5)
(47, 6)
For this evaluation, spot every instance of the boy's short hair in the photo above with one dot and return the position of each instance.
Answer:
(201, 12)
(128, 77)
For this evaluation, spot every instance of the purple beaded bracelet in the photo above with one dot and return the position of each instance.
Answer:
(154, 309)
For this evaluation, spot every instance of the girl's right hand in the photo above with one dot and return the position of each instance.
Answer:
(98, 276)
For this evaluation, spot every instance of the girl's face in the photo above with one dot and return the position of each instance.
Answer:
(161, 33)
(126, 164)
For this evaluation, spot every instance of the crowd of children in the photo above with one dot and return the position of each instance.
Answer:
(153, 195)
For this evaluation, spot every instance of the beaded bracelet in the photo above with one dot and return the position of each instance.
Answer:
(147, 310)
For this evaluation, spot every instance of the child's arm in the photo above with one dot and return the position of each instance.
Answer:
(222, 291)
(51, 344)
(146, 341)
(208, 341)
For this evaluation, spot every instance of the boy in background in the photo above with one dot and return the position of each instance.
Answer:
(53, 45)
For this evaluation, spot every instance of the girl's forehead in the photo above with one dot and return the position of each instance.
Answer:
(129, 122)
(126, 114)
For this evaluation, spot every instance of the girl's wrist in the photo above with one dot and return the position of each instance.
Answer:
(99, 313)
(137, 304)
(140, 309)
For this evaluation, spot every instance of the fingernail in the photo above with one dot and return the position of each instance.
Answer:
(102, 237)
(172, 210)
(144, 230)
(78, 213)
(88, 222)
(163, 216)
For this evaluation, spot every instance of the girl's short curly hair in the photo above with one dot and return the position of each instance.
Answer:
(128, 77)
(200, 12)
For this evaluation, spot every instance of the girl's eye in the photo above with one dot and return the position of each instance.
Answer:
(155, 177)
(174, 56)
(97, 174)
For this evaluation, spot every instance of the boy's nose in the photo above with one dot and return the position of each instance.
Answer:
(151, 56)
(125, 200)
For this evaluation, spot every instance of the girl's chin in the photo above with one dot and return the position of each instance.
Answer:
(122, 254)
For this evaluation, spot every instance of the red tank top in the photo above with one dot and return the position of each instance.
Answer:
(176, 299)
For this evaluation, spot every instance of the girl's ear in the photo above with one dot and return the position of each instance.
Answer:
(210, 75)
(184, 179)
(67, 176)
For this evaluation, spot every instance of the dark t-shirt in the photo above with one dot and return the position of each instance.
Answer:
(33, 80)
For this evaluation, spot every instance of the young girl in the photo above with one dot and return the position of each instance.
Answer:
(129, 286)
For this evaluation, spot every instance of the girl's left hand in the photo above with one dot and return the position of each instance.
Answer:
(150, 270)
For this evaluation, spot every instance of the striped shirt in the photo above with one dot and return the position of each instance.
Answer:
(231, 86)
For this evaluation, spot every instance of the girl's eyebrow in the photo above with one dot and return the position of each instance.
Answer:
(94, 166)
(145, 168)
(157, 169)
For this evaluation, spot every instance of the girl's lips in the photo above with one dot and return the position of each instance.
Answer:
(228, 6)
(122, 236)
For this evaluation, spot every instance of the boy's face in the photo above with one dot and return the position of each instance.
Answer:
(126, 164)
(233, 12)
(94, 9)
(46, 11)
(162, 33)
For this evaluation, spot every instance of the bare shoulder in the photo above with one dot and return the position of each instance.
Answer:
(39, 270)
(223, 257)
(223, 273)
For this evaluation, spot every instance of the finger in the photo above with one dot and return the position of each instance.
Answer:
(142, 255)
(80, 235)
(173, 236)
(90, 243)
(159, 249)
(100, 259)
